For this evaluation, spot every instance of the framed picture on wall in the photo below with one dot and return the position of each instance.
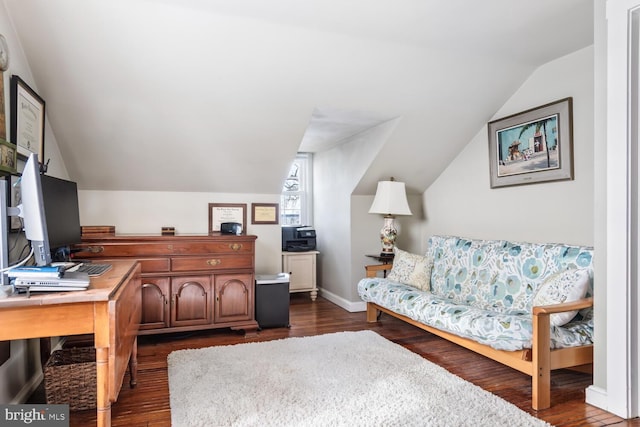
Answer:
(226, 212)
(264, 213)
(532, 146)
(8, 157)
(27, 119)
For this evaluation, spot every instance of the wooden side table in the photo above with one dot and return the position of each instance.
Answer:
(386, 261)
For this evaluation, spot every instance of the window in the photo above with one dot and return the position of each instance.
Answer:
(295, 202)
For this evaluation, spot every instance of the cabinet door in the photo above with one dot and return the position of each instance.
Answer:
(302, 270)
(155, 303)
(233, 297)
(190, 298)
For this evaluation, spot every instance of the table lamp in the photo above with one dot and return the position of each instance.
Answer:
(390, 200)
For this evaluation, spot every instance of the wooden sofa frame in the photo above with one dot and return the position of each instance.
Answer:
(537, 362)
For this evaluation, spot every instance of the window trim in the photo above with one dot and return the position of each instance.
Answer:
(306, 190)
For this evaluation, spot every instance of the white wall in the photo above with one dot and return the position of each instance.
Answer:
(461, 202)
(21, 373)
(336, 172)
(346, 231)
(145, 212)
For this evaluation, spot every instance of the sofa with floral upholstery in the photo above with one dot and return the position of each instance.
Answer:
(527, 305)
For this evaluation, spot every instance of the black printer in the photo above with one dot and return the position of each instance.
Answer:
(298, 239)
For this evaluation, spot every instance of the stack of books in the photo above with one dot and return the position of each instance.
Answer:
(36, 272)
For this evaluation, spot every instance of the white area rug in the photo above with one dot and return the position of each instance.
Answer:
(340, 379)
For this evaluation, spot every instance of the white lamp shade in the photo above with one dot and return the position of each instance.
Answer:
(391, 199)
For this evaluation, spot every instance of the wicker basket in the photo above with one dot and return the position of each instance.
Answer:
(70, 378)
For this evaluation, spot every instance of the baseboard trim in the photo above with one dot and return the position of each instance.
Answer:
(597, 396)
(350, 306)
(28, 389)
(34, 382)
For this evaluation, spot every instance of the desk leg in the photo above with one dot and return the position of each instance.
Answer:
(133, 365)
(102, 379)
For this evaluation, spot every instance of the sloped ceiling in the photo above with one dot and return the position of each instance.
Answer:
(219, 95)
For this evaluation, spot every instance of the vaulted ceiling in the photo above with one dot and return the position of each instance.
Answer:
(219, 95)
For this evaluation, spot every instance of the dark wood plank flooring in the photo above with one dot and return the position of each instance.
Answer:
(148, 404)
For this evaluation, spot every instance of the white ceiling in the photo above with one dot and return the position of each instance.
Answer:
(218, 95)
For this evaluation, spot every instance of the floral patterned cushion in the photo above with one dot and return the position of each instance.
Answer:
(498, 275)
(565, 286)
(508, 332)
(484, 290)
(411, 269)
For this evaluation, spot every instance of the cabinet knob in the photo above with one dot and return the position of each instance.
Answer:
(213, 262)
(235, 246)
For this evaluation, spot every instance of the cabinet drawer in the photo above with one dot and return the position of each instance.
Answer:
(138, 250)
(133, 250)
(211, 262)
(205, 248)
(151, 265)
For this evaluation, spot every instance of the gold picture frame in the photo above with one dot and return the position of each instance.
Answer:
(265, 213)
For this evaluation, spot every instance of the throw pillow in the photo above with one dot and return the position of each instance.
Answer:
(411, 269)
(565, 286)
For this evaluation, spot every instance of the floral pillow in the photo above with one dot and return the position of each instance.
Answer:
(565, 286)
(411, 269)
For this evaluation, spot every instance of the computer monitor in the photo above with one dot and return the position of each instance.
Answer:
(61, 211)
(32, 211)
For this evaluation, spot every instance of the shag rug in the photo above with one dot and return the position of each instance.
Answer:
(339, 379)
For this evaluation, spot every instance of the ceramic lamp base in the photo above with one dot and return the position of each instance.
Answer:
(388, 235)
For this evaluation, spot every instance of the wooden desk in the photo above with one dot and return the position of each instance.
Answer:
(109, 309)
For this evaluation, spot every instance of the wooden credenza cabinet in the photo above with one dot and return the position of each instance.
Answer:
(188, 282)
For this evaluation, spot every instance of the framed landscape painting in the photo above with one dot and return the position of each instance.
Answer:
(532, 146)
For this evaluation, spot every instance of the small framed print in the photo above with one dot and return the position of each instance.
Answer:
(8, 157)
(264, 213)
(226, 212)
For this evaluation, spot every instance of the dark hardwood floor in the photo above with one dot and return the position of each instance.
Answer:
(148, 404)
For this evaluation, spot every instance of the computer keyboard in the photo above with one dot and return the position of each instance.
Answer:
(91, 269)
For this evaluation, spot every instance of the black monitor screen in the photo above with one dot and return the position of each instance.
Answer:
(60, 199)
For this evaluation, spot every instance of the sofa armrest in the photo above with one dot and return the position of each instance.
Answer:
(541, 348)
(562, 307)
(372, 270)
